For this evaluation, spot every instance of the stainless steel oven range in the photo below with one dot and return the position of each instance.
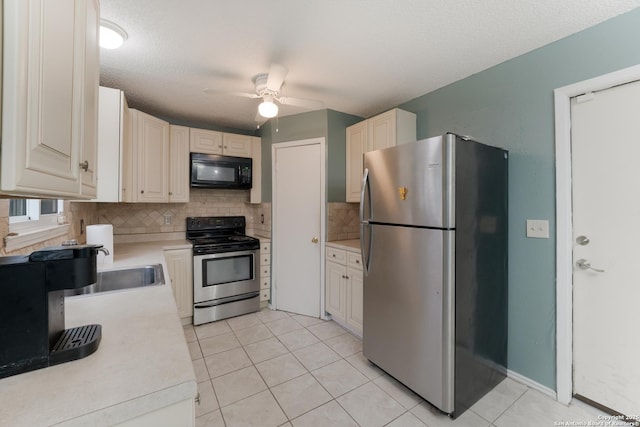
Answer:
(225, 268)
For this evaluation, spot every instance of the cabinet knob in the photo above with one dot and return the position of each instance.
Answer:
(225, 147)
(170, 193)
(357, 261)
(141, 191)
(84, 165)
(333, 255)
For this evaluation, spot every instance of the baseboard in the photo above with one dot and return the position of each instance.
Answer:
(532, 384)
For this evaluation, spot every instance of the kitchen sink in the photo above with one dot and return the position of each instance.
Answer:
(126, 278)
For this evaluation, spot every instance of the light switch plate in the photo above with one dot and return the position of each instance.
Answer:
(538, 228)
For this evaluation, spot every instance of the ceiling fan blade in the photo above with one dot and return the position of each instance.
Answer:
(309, 104)
(277, 73)
(210, 91)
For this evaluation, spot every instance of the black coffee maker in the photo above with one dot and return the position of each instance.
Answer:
(32, 289)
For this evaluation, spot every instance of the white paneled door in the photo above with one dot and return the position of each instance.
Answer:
(605, 146)
(298, 204)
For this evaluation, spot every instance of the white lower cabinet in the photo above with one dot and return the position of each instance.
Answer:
(344, 288)
(265, 272)
(179, 263)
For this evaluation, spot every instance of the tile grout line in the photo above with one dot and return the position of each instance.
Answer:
(291, 352)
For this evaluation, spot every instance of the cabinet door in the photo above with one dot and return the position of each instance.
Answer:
(89, 152)
(335, 290)
(152, 158)
(355, 298)
(109, 144)
(256, 172)
(356, 146)
(43, 68)
(236, 145)
(205, 141)
(179, 178)
(181, 276)
(382, 131)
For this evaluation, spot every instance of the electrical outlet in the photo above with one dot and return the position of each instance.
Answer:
(167, 219)
(538, 228)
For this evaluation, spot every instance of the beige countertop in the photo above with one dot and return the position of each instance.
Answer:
(142, 363)
(352, 245)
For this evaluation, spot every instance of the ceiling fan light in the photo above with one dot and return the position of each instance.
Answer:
(111, 35)
(268, 109)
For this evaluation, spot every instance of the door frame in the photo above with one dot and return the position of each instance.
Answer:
(564, 224)
(323, 217)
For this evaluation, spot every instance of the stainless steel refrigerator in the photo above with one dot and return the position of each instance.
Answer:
(434, 245)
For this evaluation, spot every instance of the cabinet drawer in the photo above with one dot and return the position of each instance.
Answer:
(265, 270)
(354, 260)
(265, 247)
(265, 283)
(265, 259)
(265, 294)
(336, 255)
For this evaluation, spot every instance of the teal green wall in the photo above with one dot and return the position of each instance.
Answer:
(326, 124)
(511, 106)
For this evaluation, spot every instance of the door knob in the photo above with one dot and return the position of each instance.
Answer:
(314, 240)
(582, 240)
(583, 264)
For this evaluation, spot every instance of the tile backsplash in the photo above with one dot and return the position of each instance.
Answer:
(343, 222)
(130, 219)
(147, 218)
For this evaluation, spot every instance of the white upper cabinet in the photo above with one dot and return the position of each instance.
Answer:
(256, 170)
(205, 141)
(113, 130)
(390, 128)
(214, 142)
(49, 98)
(179, 174)
(236, 145)
(150, 158)
(356, 146)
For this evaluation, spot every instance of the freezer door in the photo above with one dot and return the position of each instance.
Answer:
(408, 309)
(411, 184)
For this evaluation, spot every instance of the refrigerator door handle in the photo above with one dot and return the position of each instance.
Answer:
(363, 189)
(364, 223)
(366, 256)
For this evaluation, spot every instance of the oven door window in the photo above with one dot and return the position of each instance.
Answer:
(217, 173)
(217, 271)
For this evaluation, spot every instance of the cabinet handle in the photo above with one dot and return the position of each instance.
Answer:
(170, 193)
(84, 165)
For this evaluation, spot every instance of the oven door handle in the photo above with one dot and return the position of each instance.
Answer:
(226, 300)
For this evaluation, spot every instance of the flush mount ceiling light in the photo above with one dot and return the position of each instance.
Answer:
(111, 35)
(267, 108)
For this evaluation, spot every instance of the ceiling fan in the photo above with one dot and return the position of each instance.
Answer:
(267, 87)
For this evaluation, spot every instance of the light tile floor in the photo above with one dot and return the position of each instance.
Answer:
(273, 368)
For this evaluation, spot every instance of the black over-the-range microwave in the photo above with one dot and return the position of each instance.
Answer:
(216, 171)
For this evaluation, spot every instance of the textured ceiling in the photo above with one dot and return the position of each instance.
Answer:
(357, 56)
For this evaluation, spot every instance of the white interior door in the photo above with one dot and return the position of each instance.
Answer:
(298, 226)
(605, 144)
